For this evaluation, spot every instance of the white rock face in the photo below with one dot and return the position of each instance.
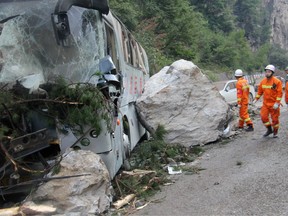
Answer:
(186, 103)
(278, 19)
(83, 195)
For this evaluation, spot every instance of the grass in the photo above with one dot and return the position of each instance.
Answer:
(192, 170)
(225, 141)
(154, 155)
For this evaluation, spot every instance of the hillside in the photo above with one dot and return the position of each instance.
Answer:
(216, 35)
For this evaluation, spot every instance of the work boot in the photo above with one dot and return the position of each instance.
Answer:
(240, 128)
(268, 132)
(249, 128)
(275, 133)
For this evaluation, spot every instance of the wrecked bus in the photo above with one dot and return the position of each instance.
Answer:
(70, 73)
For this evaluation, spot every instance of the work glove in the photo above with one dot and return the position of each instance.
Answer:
(276, 106)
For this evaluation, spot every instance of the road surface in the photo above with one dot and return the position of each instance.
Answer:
(247, 176)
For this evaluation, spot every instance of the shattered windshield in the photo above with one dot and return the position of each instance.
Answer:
(28, 47)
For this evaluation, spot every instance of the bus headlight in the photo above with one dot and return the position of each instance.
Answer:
(93, 134)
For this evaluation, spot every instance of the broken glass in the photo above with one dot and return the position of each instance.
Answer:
(29, 50)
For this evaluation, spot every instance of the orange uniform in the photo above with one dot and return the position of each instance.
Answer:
(286, 93)
(271, 88)
(242, 87)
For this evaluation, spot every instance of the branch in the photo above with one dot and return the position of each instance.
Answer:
(47, 100)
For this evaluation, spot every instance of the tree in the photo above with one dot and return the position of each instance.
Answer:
(127, 11)
(252, 18)
(278, 56)
(218, 13)
(180, 27)
(260, 57)
(206, 32)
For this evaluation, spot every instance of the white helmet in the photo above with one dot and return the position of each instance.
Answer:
(238, 73)
(270, 67)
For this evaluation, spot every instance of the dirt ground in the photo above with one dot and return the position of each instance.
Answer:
(247, 176)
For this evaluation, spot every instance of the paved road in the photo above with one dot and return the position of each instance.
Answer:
(259, 186)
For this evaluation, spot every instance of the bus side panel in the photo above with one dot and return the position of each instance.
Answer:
(114, 158)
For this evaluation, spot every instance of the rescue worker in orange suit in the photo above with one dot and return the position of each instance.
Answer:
(271, 89)
(286, 93)
(242, 87)
(286, 77)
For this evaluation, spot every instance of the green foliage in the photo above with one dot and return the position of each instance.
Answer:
(160, 133)
(135, 185)
(77, 105)
(260, 57)
(6, 98)
(197, 150)
(56, 169)
(151, 157)
(181, 26)
(3, 130)
(217, 12)
(127, 11)
(252, 18)
(90, 108)
(157, 59)
(278, 57)
(226, 33)
(211, 75)
(154, 153)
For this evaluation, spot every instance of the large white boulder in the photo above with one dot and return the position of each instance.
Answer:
(85, 195)
(182, 99)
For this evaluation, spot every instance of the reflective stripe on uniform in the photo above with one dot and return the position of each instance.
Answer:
(248, 119)
(266, 86)
(245, 87)
(276, 126)
(278, 98)
(267, 124)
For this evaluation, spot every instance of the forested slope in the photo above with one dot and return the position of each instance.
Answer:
(217, 35)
